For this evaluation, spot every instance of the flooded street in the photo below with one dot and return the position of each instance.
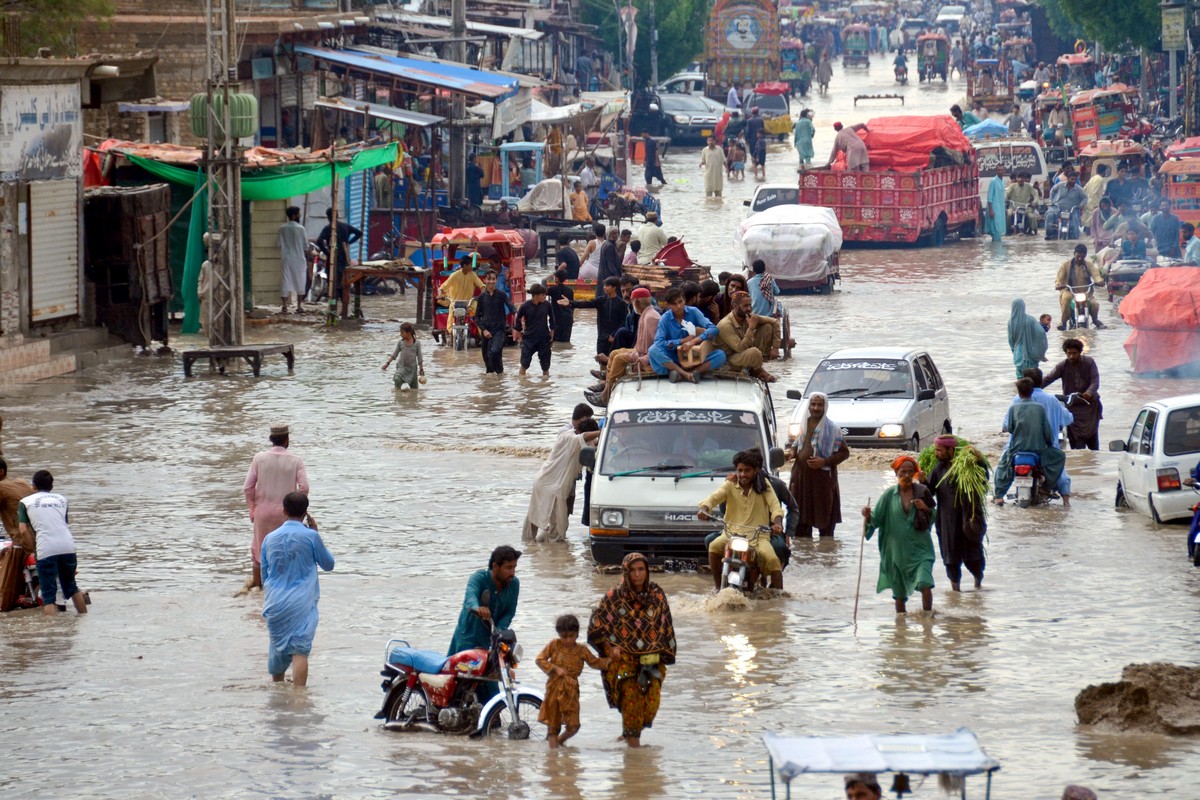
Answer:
(162, 691)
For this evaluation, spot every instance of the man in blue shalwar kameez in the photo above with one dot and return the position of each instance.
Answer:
(473, 630)
(995, 218)
(290, 556)
(680, 329)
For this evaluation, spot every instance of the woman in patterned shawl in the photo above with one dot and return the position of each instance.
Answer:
(632, 627)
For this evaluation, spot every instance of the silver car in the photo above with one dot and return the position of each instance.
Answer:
(880, 396)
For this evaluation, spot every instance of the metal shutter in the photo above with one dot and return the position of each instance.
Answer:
(54, 249)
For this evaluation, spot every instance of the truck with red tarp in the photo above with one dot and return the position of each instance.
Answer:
(741, 46)
(1164, 312)
(922, 185)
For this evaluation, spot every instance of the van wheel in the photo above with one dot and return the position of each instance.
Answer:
(914, 444)
(1153, 510)
(827, 286)
(1121, 502)
(947, 428)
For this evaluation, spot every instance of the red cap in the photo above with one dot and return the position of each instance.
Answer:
(641, 291)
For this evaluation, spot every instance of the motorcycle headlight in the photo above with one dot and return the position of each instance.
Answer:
(682, 119)
(739, 545)
(891, 431)
(612, 518)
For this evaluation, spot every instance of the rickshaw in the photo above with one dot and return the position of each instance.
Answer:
(956, 755)
(795, 71)
(1105, 114)
(1043, 104)
(518, 150)
(933, 56)
(505, 248)
(989, 81)
(1020, 53)
(1080, 70)
(1111, 152)
(856, 46)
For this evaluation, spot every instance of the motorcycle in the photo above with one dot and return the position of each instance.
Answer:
(1055, 227)
(1022, 219)
(1079, 306)
(1193, 547)
(460, 325)
(427, 691)
(1028, 480)
(901, 75)
(320, 281)
(738, 567)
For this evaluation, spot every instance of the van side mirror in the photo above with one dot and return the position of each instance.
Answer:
(926, 394)
(587, 457)
(794, 394)
(777, 457)
(654, 107)
(746, 203)
(1117, 446)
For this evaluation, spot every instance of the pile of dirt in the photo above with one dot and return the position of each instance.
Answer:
(1149, 698)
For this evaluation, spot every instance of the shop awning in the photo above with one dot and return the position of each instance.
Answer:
(451, 77)
(379, 111)
(162, 106)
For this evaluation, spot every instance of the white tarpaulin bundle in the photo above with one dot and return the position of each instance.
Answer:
(955, 753)
(549, 195)
(795, 241)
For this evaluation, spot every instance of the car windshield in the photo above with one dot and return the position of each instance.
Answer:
(771, 197)
(676, 442)
(862, 377)
(769, 104)
(1182, 435)
(685, 102)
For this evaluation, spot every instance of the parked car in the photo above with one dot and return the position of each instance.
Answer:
(686, 82)
(880, 396)
(769, 195)
(689, 118)
(1162, 448)
(770, 106)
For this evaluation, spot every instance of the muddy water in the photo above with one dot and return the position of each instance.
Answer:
(162, 690)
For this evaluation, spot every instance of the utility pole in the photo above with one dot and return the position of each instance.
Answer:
(458, 104)
(222, 161)
(653, 47)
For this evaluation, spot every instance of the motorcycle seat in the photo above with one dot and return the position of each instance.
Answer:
(420, 660)
(1024, 459)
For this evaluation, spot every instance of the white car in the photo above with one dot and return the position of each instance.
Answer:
(880, 396)
(769, 195)
(1162, 448)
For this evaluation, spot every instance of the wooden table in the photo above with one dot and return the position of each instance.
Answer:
(398, 270)
(251, 353)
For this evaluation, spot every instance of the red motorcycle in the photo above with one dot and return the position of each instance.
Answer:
(427, 691)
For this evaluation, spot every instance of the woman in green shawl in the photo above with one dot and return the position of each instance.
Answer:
(1026, 338)
(804, 137)
(902, 516)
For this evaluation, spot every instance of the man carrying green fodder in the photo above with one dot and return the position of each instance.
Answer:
(958, 475)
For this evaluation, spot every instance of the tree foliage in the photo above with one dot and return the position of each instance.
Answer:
(53, 23)
(680, 32)
(1062, 25)
(1117, 25)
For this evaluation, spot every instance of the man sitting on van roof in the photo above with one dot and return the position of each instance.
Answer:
(748, 338)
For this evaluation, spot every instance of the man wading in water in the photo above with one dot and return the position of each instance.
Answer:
(273, 475)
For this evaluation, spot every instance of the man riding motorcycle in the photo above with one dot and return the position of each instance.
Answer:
(900, 66)
(1067, 198)
(750, 502)
(1079, 271)
(1023, 194)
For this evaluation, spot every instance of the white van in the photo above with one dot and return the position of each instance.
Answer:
(664, 448)
(1017, 155)
(951, 18)
(1162, 448)
(683, 83)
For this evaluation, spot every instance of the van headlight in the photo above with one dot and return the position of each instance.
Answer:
(682, 119)
(891, 431)
(612, 518)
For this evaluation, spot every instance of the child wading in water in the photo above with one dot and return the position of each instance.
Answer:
(407, 355)
(563, 660)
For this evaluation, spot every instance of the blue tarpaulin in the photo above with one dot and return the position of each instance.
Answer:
(450, 76)
(988, 129)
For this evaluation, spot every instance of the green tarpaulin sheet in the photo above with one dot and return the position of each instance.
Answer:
(259, 183)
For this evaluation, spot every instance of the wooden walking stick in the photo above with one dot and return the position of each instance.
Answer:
(862, 543)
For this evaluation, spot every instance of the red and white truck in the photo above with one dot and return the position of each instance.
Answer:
(922, 186)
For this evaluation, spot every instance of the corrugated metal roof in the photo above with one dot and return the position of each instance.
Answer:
(443, 75)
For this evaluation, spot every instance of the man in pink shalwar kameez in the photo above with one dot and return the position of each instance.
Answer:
(273, 475)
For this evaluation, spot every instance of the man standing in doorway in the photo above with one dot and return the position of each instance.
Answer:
(1080, 377)
(474, 182)
(293, 257)
(273, 475)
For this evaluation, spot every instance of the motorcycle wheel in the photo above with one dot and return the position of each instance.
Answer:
(499, 722)
(414, 709)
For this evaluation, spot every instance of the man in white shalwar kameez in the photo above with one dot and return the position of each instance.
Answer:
(293, 242)
(712, 161)
(549, 507)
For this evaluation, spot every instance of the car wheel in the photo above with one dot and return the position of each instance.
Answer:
(947, 428)
(914, 444)
(1121, 502)
(1153, 510)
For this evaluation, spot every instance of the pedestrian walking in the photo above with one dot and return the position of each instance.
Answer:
(902, 517)
(562, 660)
(960, 492)
(653, 161)
(43, 516)
(1026, 338)
(611, 311)
(293, 260)
(563, 316)
(632, 627)
(492, 308)
(550, 499)
(410, 367)
(291, 555)
(1081, 383)
(712, 161)
(533, 330)
(273, 475)
(803, 138)
(818, 450)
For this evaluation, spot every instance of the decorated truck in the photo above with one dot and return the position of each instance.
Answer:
(922, 186)
(741, 46)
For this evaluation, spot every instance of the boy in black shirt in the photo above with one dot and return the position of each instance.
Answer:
(492, 308)
(533, 330)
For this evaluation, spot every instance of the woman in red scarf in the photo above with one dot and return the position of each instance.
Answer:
(632, 627)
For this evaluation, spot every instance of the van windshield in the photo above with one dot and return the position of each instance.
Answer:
(873, 377)
(675, 441)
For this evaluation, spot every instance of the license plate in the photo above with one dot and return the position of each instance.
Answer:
(706, 132)
(1024, 481)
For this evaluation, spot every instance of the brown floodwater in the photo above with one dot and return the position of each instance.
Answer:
(162, 690)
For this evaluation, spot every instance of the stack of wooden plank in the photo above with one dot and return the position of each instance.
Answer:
(658, 278)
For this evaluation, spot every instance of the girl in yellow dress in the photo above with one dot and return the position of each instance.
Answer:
(563, 661)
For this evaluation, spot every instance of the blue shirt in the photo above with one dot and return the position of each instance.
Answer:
(671, 331)
(758, 302)
(1057, 414)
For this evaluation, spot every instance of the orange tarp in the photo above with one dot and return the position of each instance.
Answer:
(1164, 310)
